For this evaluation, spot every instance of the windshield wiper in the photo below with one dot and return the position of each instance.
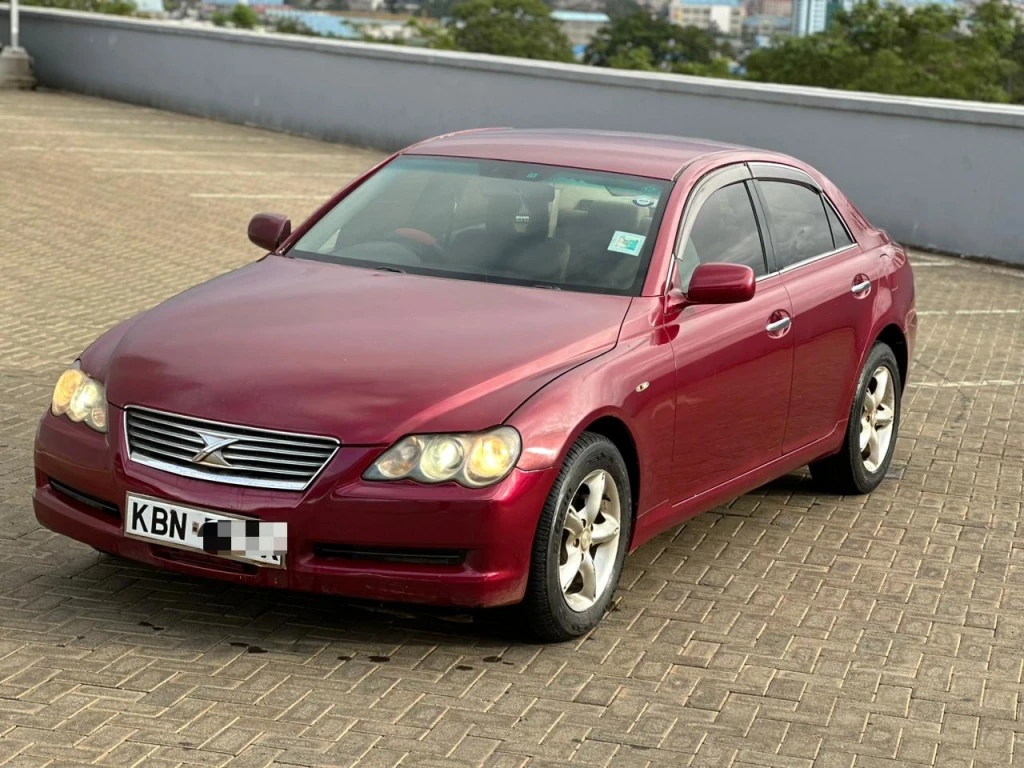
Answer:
(381, 268)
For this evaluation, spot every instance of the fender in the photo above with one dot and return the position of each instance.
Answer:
(633, 383)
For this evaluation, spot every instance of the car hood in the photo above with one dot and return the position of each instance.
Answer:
(362, 355)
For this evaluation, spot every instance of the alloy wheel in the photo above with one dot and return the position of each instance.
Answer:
(590, 541)
(876, 421)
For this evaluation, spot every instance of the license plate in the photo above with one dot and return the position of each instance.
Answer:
(216, 533)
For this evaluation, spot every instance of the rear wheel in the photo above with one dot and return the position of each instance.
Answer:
(871, 432)
(580, 542)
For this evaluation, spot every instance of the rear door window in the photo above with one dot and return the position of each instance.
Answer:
(799, 225)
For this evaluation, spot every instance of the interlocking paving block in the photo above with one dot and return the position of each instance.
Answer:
(785, 628)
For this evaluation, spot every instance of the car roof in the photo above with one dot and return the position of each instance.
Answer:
(638, 154)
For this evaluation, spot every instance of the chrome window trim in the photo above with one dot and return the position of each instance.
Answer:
(812, 259)
(223, 478)
(714, 180)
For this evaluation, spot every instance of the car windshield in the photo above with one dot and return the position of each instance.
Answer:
(495, 221)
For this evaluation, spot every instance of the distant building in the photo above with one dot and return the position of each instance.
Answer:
(761, 31)
(770, 8)
(726, 15)
(809, 17)
(580, 26)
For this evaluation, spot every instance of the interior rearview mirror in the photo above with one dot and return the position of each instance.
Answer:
(721, 284)
(269, 230)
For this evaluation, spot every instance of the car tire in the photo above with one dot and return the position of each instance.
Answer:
(863, 462)
(554, 613)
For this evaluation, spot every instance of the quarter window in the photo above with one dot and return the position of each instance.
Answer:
(799, 225)
(840, 236)
(725, 230)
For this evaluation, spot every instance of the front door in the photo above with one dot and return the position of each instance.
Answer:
(733, 362)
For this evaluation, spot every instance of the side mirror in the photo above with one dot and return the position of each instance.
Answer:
(721, 284)
(269, 230)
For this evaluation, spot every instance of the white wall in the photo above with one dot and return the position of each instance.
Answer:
(940, 174)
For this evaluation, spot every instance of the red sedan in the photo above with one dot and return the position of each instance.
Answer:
(486, 370)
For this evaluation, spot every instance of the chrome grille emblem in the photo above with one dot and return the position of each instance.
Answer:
(211, 453)
(225, 453)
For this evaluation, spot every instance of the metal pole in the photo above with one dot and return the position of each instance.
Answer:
(14, 24)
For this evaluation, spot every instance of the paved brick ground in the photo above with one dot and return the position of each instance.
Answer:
(787, 629)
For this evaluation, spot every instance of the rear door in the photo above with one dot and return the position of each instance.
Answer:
(733, 361)
(832, 283)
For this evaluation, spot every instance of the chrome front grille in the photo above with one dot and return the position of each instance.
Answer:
(225, 453)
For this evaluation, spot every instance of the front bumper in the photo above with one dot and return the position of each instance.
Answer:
(404, 542)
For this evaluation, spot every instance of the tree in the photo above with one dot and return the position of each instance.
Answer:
(437, 9)
(521, 28)
(888, 49)
(998, 25)
(640, 41)
(244, 17)
(617, 8)
(1015, 81)
(289, 26)
(115, 7)
(431, 35)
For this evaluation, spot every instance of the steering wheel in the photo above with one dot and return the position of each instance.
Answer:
(422, 243)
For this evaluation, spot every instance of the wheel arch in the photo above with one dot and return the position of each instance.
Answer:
(893, 336)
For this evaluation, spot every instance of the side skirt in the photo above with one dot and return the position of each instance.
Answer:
(667, 515)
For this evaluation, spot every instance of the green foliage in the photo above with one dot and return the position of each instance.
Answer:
(244, 17)
(219, 19)
(288, 26)
(432, 35)
(639, 41)
(521, 28)
(718, 67)
(1015, 82)
(888, 49)
(437, 9)
(114, 7)
(632, 58)
(617, 8)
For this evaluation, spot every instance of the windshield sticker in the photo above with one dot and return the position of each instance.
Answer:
(627, 243)
(644, 202)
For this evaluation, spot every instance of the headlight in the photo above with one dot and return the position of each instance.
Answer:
(80, 399)
(473, 460)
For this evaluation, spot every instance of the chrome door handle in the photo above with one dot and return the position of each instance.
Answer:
(778, 325)
(861, 287)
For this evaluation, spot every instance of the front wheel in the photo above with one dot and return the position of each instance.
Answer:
(871, 433)
(580, 543)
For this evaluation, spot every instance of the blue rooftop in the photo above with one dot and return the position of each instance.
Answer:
(324, 23)
(596, 18)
